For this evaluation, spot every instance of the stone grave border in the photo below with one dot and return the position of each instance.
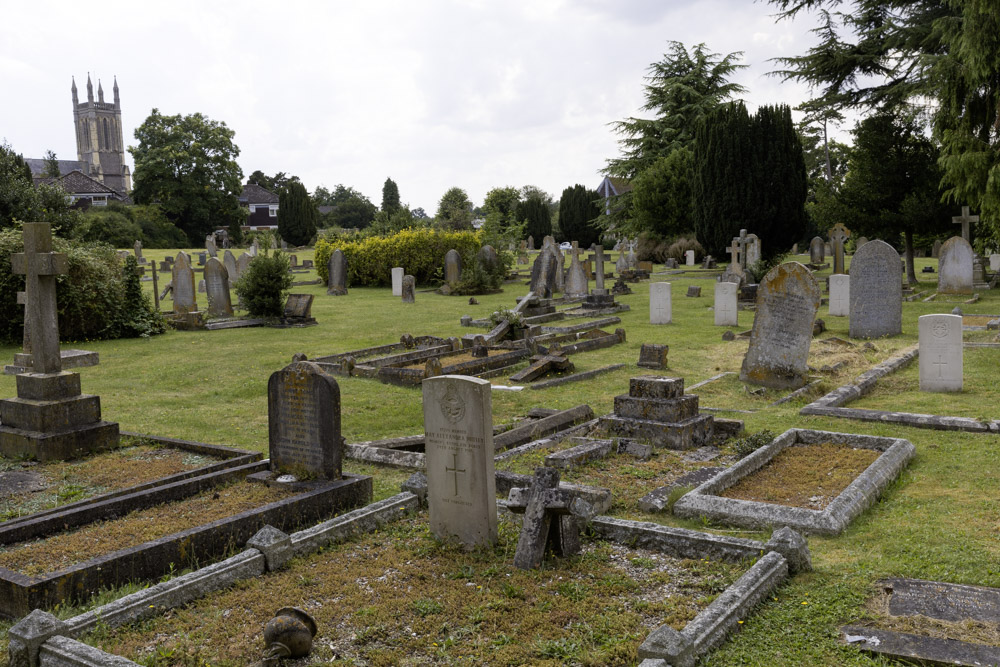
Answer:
(704, 500)
(832, 404)
(20, 593)
(268, 550)
(413, 377)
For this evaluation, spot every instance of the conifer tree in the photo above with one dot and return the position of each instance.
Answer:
(578, 212)
(390, 197)
(297, 215)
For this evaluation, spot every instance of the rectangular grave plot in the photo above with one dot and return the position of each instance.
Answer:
(231, 459)
(19, 594)
(706, 501)
(368, 353)
(412, 377)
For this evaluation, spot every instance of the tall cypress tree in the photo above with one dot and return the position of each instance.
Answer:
(297, 215)
(390, 197)
(578, 212)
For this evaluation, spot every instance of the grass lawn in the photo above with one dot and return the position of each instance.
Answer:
(941, 520)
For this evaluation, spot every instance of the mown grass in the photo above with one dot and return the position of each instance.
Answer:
(939, 521)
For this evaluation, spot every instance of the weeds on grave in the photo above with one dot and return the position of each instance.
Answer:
(515, 320)
(748, 444)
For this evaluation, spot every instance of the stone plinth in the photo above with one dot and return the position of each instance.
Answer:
(656, 409)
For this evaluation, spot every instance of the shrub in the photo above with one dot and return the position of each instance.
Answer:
(264, 286)
(480, 277)
(680, 246)
(94, 300)
(748, 444)
(760, 268)
(137, 316)
(419, 251)
(108, 226)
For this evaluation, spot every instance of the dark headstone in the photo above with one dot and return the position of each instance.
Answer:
(409, 287)
(303, 412)
(337, 274)
(653, 355)
(876, 297)
(694, 291)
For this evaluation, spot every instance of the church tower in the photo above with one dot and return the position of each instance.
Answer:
(99, 142)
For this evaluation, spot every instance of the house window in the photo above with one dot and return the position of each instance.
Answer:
(99, 200)
(273, 211)
(253, 208)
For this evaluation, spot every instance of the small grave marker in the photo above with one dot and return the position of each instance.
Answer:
(659, 303)
(653, 355)
(408, 289)
(397, 281)
(552, 519)
(726, 309)
(940, 358)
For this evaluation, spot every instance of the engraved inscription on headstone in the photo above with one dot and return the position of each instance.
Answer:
(303, 412)
(876, 291)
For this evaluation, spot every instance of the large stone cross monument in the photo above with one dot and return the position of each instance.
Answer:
(965, 219)
(50, 418)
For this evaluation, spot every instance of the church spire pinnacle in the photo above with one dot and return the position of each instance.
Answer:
(73, 88)
(90, 89)
(118, 103)
(100, 92)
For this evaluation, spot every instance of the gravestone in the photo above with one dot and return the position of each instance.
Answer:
(876, 292)
(694, 291)
(576, 277)
(458, 445)
(787, 301)
(531, 243)
(621, 264)
(955, 267)
(217, 287)
(201, 286)
(487, 257)
(553, 518)
(840, 295)
(452, 267)
(838, 236)
(303, 416)
(242, 264)
(861, 241)
(229, 262)
(298, 309)
(965, 220)
(137, 247)
(689, 257)
(753, 249)
(210, 246)
(202, 258)
(653, 356)
(936, 249)
(827, 249)
(397, 281)
(337, 273)
(816, 249)
(50, 419)
(254, 249)
(599, 270)
(543, 274)
(995, 262)
(734, 273)
(407, 289)
(659, 303)
(940, 356)
(182, 277)
(726, 311)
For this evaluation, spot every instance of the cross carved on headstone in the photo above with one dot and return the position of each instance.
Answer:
(40, 266)
(552, 518)
(454, 470)
(964, 220)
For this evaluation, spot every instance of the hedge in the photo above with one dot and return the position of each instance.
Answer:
(419, 251)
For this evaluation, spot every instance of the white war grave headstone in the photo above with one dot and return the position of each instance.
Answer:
(660, 305)
(689, 257)
(787, 301)
(458, 437)
(876, 291)
(840, 295)
(726, 304)
(940, 357)
(397, 281)
(955, 267)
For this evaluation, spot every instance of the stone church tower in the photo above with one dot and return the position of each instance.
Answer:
(99, 142)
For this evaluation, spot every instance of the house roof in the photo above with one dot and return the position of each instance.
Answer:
(612, 186)
(37, 166)
(255, 194)
(78, 183)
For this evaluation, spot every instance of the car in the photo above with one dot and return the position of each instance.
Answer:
(565, 245)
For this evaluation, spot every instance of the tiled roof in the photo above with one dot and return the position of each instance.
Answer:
(76, 182)
(255, 194)
(37, 166)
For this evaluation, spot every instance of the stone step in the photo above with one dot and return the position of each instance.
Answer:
(48, 416)
(656, 409)
(653, 386)
(688, 434)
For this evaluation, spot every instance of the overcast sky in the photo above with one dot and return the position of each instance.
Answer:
(432, 93)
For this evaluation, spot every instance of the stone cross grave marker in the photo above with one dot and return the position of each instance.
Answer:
(303, 414)
(838, 236)
(965, 220)
(660, 307)
(408, 289)
(156, 288)
(876, 291)
(40, 266)
(397, 281)
(553, 518)
(956, 264)
(787, 301)
(726, 307)
(217, 288)
(458, 443)
(185, 297)
(738, 249)
(599, 270)
(840, 295)
(336, 269)
(940, 352)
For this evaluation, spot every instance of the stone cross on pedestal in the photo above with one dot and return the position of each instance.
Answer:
(734, 252)
(40, 266)
(552, 518)
(964, 220)
(738, 248)
(838, 235)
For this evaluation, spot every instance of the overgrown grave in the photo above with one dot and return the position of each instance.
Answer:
(142, 533)
(930, 622)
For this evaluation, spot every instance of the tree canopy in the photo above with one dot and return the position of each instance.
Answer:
(187, 164)
(297, 215)
(351, 209)
(534, 210)
(454, 210)
(578, 212)
(276, 184)
(21, 200)
(390, 197)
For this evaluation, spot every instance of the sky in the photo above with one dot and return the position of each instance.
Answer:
(431, 93)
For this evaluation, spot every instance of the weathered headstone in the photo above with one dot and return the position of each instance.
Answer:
(408, 288)
(452, 267)
(694, 291)
(182, 277)
(137, 247)
(337, 273)
(816, 248)
(229, 261)
(689, 257)
(838, 237)
(995, 262)
(201, 286)
(876, 291)
(955, 267)
(621, 264)
(531, 243)
(217, 287)
(397, 281)
(840, 295)
(242, 264)
(202, 258)
(543, 274)
(734, 273)
(726, 312)
(599, 270)
(653, 356)
(787, 301)
(487, 256)
(861, 241)
(303, 415)
(965, 220)
(936, 249)
(940, 352)
(753, 249)
(458, 444)
(576, 277)
(210, 246)
(660, 306)
(298, 308)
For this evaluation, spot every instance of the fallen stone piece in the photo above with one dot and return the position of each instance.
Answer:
(658, 499)
(553, 518)
(919, 648)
